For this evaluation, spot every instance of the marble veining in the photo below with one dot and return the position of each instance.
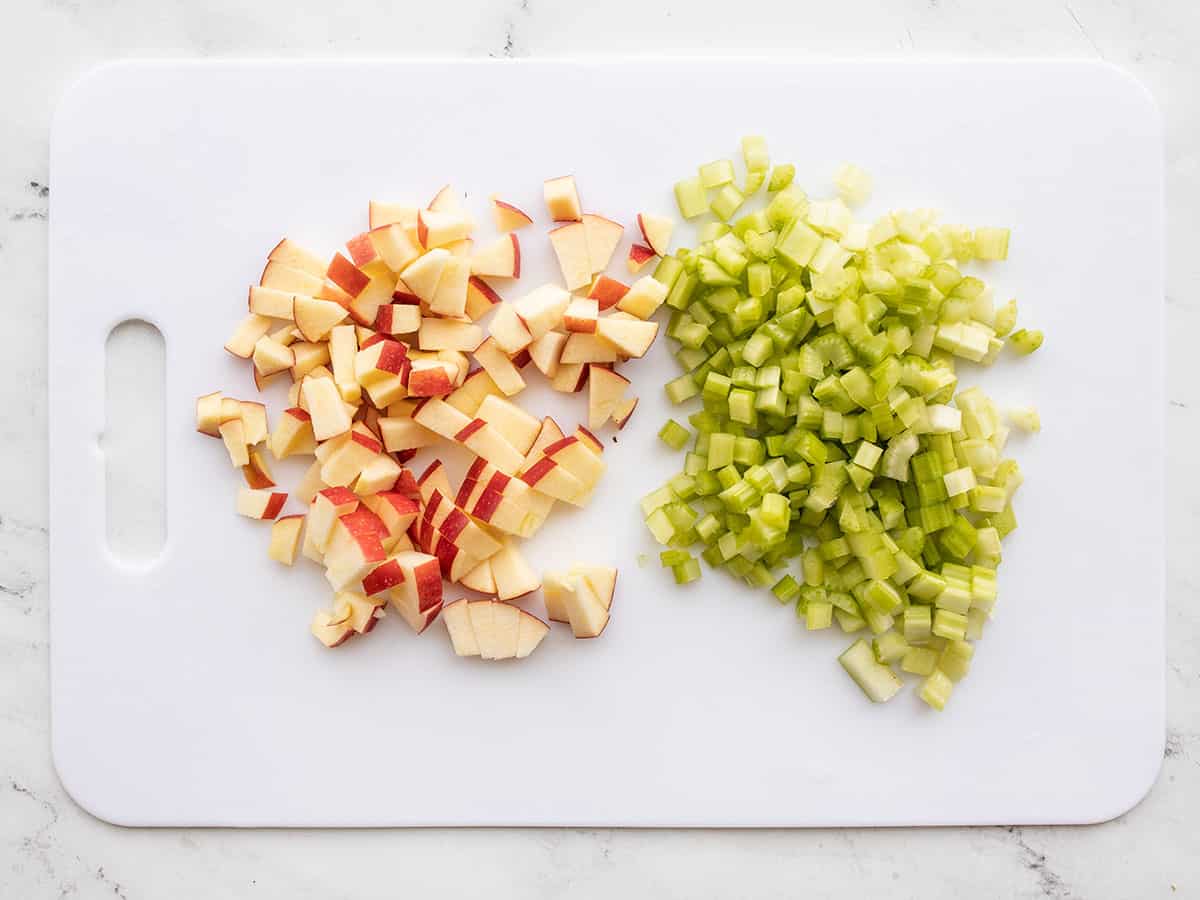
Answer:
(50, 848)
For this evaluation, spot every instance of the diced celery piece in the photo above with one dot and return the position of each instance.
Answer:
(991, 243)
(674, 435)
(849, 622)
(691, 197)
(818, 615)
(781, 177)
(754, 152)
(1026, 418)
(919, 661)
(786, 589)
(726, 202)
(686, 572)
(889, 647)
(917, 624)
(1025, 341)
(950, 625)
(936, 690)
(852, 183)
(668, 558)
(955, 659)
(716, 173)
(877, 681)
(660, 526)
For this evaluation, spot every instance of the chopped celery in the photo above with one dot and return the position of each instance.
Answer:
(674, 435)
(877, 681)
(833, 429)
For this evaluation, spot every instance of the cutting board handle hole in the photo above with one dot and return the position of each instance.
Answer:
(134, 442)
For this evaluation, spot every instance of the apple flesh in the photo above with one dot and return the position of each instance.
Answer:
(246, 335)
(288, 253)
(607, 292)
(570, 377)
(581, 315)
(644, 297)
(450, 297)
(285, 539)
(631, 337)
(509, 331)
(603, 236)
(316, 318)
(638, 256)
(281, 277)
(562, 199)
(480, 298)
(468, 397)
(270, 302)
(571, 248)
(422, 275)
(449, 334)
(256, 504)
(256, 471)
(500, 259)
(656, 232)
(507, 216)
(605, 390)
(492, 629)
(589, 348)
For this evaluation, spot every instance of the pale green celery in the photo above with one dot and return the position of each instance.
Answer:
(660, 526)
(781, 177)
(976, 619)
(667, 271)
(936, 689)
(680, 294)
(717, 173)
(786, 589)
(668, 558)
(732, 261)
(991, 243)
(960, 481)
(691, 197)
(895, 458)
(786, 207)
(882, 597)
(674, 435)
(754, 180)
(830, 256)
(917, 624)
(955, 659)
(748, 451)
(754, 153)
(877, 681)
(1005, 319)
(818, 615)
(889, 647)
(683, 486)
(726, 202)
(1025, 341)
(849, 622)
(758, 279)
(1026, 418)
(919, 661)
(830, 217)
(984, 589)
(950, 625)
(709, 272)
(708, 527)
(656, 498)
(988, 499)
(797, 243)
(686, 572)
(987, 546)
(853, 184)
(720, 449)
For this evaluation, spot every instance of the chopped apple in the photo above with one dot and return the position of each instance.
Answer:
(457, 617)
(449, 334)
(398, 318)
(447, 199)
(517, 426)
(603, 580)
(546, 351)
(603, 235)
(343, 348)
(645, 296)
(588, 348)
(480, 298)
(441, 418)
(581, 315)
(332, 629)
(395, 245)
(280, 277)
(387, 575)
(506, 630)
(271, 357)
(623, 411)
(499, 367)
(310, 482)
(578, 458)
(260, 504)
(656, 231)
(438, 227)
(381, 213)
(607, 292)
(477, 385)
(429, 378)
(548, 433)
(405, 434)
(365, 255)
(571, 247)
(233, 433)
(379, 361)
(285, 539)
(585, 610)
(556, 587)
(632, 337)
(422, 579)
(461, 248)
(434, 480)
(485, 440)
(327, 506)
(570, 377)
(355, 548)
(270, 302)
(379, 474)
(246, 335)
(423, 274)
(325, 406)
(588, 439)
(346, 275)
(450, 297)
(501, 258)
(547, 477)
(508, 331)
(638, 257)
(365, 307)
(308, 356)
(256, 472)
(288, 253)
(315, 318)
(482, 618)
(530, 633)
(562, 199)
(417, 620)
(364, 611)
(480, 579)
(606, 389)
(208, 413)
(541, 310)
(507, 216)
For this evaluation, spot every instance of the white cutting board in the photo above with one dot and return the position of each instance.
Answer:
(189, 691)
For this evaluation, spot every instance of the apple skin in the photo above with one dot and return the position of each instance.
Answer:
(638, 257)
(347, 276)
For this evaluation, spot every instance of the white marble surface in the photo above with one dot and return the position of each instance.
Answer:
(50, 848)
